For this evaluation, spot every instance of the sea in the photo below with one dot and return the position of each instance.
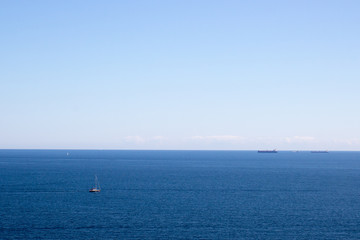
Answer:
(44, 194)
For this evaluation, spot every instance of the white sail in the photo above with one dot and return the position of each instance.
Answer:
(96, 187)
(97, 184)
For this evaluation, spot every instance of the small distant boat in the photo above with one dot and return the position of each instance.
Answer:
(268, 151)
(320, 151)
(96, 187)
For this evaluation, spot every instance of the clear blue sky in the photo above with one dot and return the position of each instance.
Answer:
(180, 74)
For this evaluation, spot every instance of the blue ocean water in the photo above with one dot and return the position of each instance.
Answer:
(179, 195)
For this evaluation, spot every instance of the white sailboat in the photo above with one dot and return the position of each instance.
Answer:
(96, 187)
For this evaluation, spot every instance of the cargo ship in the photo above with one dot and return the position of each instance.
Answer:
(267, 151)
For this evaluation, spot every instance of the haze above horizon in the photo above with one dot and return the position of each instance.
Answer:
(230, 75)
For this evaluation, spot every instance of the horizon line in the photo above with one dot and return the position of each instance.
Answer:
(114, 149)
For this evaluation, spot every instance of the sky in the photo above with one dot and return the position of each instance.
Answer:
(207, 75)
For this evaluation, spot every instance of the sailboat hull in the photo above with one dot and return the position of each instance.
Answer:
(94, 190)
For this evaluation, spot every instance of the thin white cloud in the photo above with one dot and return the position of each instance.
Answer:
(134, 139)
(352, 141)
(221, 138)
(299, 139)
(159, 138)
(147, 140)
